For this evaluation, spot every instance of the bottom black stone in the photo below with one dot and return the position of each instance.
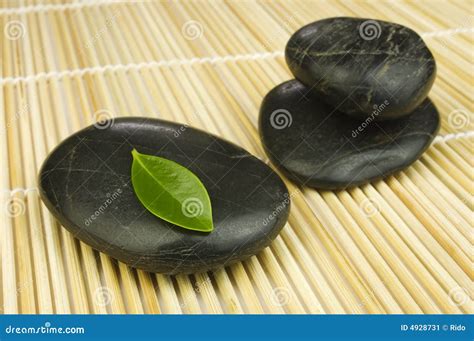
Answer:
(318, 146)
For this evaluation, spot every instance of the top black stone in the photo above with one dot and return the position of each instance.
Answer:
(354, 64)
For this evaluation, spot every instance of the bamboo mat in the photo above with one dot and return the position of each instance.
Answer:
(402, 245)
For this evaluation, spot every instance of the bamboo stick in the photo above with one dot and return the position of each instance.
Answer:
(330, 258)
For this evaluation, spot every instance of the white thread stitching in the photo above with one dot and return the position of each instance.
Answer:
(449, 32)
(438, 139)
(178, 62)
(138, 66)
(175, 62)
(454, 136)
(55, 7)
(16, 190)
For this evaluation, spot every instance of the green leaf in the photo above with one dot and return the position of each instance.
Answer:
(171, 192)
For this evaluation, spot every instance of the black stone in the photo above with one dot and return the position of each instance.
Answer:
(354, 64)
(88, 175)
(317, 146)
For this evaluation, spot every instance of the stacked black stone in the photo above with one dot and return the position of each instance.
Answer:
(358, 109)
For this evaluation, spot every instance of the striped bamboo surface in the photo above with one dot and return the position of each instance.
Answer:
(401, 245)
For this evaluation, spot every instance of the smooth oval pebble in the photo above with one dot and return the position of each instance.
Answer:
(355, 64)
(85, 183)
(317, 146)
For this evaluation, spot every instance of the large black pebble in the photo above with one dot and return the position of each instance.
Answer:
(88, 175)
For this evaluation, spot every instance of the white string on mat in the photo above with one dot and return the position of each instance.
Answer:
(182, 62)
(139, 66)
(450, 32)
(438, 139)
(453, 136)
(16, 190)
(56, 7)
